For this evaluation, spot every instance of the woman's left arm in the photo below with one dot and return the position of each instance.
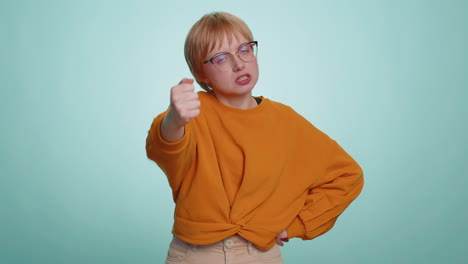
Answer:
(340, 184)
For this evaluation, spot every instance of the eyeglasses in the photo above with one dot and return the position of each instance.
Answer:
(224, 61)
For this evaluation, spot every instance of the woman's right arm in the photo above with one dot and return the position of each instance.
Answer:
(171, 141)
(184, 106)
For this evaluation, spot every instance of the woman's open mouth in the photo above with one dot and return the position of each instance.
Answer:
(244, 79)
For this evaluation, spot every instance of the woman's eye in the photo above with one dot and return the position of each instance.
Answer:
(220, 59)
(245, 50)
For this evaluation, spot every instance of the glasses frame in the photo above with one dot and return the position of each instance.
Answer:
(236, 54)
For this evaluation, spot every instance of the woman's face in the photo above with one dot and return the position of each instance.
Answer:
(237, 77)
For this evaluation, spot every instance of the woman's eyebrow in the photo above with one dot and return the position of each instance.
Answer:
(238, 48)
(242, 44)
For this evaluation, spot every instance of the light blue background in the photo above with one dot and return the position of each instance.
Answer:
(82, 80)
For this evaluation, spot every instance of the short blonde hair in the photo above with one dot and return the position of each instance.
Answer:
(204, 35)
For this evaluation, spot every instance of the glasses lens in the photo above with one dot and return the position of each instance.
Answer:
(222, 61)
(248, 52)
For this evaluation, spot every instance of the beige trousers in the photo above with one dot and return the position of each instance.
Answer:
(233, 250)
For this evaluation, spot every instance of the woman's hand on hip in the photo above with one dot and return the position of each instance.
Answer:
(282, 237)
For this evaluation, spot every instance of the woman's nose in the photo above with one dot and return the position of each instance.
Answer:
(238, 64)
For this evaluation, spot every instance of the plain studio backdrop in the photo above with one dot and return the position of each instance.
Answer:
(81, 82)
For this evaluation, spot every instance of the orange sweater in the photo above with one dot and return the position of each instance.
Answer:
(253, 173)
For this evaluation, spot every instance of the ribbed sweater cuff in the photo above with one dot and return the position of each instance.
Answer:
(296, 228)
(167, 146)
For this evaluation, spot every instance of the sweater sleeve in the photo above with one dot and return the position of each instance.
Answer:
(329, 197)
(174, 158)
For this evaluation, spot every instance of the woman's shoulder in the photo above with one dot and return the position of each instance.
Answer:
(292, 117)
(203, 95)
(281, 107)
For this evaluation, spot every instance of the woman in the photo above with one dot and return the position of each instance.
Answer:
(247, 173)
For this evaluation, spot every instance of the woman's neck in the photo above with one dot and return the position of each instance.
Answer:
(245, 101)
